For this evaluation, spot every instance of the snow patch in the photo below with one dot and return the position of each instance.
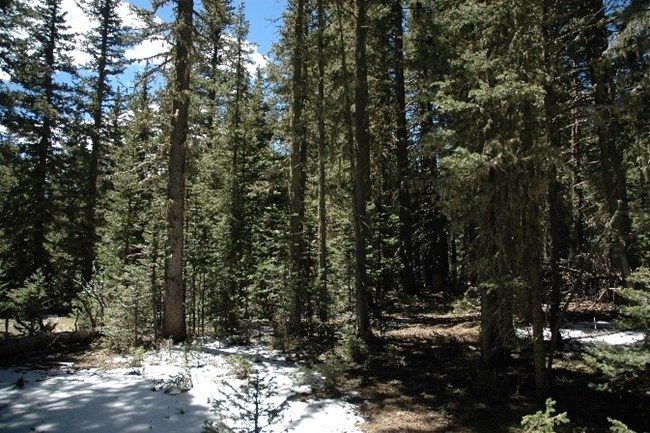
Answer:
(130, 399)
(590, 333)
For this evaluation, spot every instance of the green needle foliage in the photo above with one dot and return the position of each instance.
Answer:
(251, 407)
(544, 422)
(628, 369)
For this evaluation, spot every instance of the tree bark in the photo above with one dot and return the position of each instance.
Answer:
(614, 176)
(174, 311)
(323, 295)
(405, 212)
(297, 175)
(17, 346)
(496, 325)
(362, 172)
(97, 113)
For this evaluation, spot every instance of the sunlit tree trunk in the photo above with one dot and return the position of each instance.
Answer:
(297, 174)
(174, 311)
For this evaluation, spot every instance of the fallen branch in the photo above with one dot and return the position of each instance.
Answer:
(16, 346)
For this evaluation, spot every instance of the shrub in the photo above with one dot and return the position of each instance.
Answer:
(29, 303)
(544, 422)
(251, 407)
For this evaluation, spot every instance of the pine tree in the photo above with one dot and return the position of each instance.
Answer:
(34, 119)
(297, 170)
(174, 311)
(361, 173)
(106, 44)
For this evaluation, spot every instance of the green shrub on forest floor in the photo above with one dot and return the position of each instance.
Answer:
(239, 366)
(547, 421)
(544, 422)
(251, 407)
(328, 376)
(29, 304)
(626, 369)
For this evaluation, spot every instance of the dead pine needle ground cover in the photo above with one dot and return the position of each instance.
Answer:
(424, 376)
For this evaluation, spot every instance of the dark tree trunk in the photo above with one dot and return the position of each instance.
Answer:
(405, 212)
(297, 175)
(42, 207)
(614, 176)
(174, 311)
(497, 330)
(362, 172)
(97, 113)
(323, 295)
(532, 256)
(557, 228)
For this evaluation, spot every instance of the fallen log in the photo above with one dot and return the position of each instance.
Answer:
(12, 347)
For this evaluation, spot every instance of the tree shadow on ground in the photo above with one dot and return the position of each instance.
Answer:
(425, 376)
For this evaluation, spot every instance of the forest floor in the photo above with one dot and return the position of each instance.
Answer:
(424, 376)
(421, 375)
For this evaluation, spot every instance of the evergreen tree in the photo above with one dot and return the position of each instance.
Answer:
(106, 44)
(361, 172)
(174, 306)
(34, 119)
(297, 170)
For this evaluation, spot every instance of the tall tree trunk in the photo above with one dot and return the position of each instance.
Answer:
(174, 312)
(42, 208)
(533, 246)
(405, 212)
(297, 175)
(362, 172)
(323, 295)
(614, 176)
(97, 113)
(555, 208)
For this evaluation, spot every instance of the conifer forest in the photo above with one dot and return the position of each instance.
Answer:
(417, 199)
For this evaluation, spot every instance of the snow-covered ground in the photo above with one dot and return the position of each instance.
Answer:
(144, 398)
(590, 333)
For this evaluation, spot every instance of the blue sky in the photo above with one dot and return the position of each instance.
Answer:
(263, 16)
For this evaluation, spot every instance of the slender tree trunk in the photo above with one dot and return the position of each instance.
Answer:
(533, 245)
(97, 112)
(362, 172)
(42, 208)
(174, 312)
(323, 295)
(556, 220)
(347, 93)
(614, 176)
(297, 183)
(405, 212)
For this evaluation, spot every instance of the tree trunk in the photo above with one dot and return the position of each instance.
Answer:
(614, 176)
(11, 347)
(174, 311)
(405, 212)
(297, 175)
(362, 172)
(532, 255)
(97, 113)
(42, 209)
(556, 221)
(323, 295)
(497, 330)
